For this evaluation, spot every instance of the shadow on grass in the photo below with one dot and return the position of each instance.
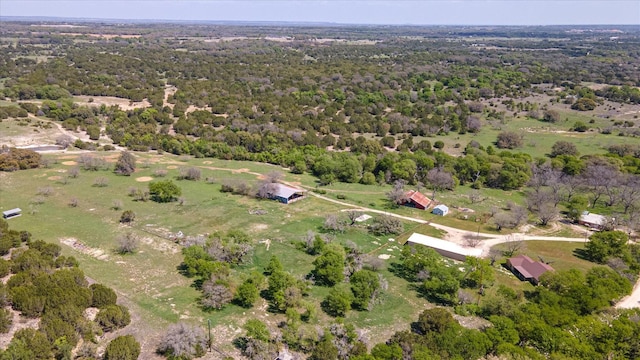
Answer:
(582, 254)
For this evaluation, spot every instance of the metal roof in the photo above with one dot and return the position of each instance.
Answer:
(529, 268)
(442, 207)
(12, 211)
(419, 198)
(593, 219)
(285, 191)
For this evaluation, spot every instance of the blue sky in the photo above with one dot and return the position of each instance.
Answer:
(419, 12)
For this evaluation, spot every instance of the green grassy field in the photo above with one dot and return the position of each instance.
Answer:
(148, 281)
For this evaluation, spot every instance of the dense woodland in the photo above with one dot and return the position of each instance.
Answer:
(370, 106)
(45, 285)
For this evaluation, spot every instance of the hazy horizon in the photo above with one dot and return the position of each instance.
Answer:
(362, 12)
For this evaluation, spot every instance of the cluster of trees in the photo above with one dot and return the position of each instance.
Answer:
(529, 324)
(49, 286)
(582, 184)
(12, 159)
(209, 261)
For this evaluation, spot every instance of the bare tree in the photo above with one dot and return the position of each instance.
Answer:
(64, 141)
(45, 191)
(494, 254)
(160, 173)
(74, 172)
(101, 181)
(513, 245)
(333, 223)
(600, 178)
(373, 263)
(386, 224)
(353, 215)
(471, 240)
(505, 220)
(242, 188)
(127, 243)
(509, 140)
(309, 238)
(630, 193)
(440, 179)
(73, 202)
(475, 196)
(520, 214)
(465, 297)
(215, 295)
(126, 164)
(117, 204)
(91, 162)
(192, 173)
(183, 341)
(397, 195)
(547, 213)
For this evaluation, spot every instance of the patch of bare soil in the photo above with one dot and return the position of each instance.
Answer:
(69, 163)
(472, 322)
(160, 245)
(168, 90)
(54, 178)
(91, 313)
(144, 179)
(19, 323)
(84, 249)
(124, 104)
(259, 227)
(170, 167)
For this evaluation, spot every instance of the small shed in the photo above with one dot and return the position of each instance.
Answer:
(592, 220)
(441, 210)
(526, 269)
(417, 200)
(445, 248)
(287, 194)
(11, 213)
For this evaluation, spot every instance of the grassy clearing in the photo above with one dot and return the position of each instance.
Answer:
(148, 280)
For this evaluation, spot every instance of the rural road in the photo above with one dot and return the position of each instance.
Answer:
(489, 240)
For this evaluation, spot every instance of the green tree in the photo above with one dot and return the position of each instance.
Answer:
(102, 296)
(325, 349)
(479, 272)
(338, 301)
(122, 348)
(113, 317)
(604, 244)
(273, 265)
(6, 319)
(256, 329)
(247, 293)
(164, 191)
(364, 286)
(329, 267)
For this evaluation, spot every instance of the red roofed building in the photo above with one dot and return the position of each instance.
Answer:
(417, 200)
(526, 269)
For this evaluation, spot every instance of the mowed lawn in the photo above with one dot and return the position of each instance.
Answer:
(149, 281)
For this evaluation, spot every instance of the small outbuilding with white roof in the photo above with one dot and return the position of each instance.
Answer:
(441, 210)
